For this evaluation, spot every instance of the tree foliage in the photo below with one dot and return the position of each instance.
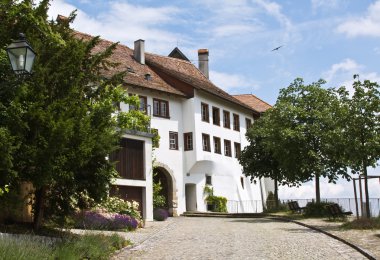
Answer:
(294, 142)
(58, 125)
(361, 128)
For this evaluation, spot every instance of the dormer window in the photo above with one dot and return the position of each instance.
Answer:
(148, 77)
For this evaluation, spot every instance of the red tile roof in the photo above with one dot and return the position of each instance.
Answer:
(254, 102)
(187, 72)
(136, 72)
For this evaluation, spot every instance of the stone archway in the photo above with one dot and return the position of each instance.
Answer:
(163, 173)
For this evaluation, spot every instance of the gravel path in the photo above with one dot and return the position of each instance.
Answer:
(226, 238)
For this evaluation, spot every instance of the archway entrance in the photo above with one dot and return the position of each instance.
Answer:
(162, 175)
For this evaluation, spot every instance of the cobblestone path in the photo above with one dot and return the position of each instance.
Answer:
(228, 238)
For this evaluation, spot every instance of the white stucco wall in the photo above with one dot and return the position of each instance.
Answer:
(191, 167)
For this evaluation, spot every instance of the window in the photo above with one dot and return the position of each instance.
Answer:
(208, 180)
(227, 148)
(160, 108)
(205, 114)
(217, 145)
(236, 122)
(173, 140)
(226, 119)
(215, 116)
(188, 141)
(206, 142)
(237, 150)
(242, 182)
(143, 104)
(248, 123)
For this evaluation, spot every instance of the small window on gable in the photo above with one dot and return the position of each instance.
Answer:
(160, 108)
(215, 116)
(208, 180)
(205, 114)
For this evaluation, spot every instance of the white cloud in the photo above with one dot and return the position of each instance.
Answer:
(326, 4)
(234, 29)
(230, 82)
(369, 25)
(341, 74)
(117, 24)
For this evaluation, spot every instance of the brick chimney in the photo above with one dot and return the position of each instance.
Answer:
(139, 51)
(203, 61)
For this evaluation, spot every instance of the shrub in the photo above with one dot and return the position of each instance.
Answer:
(105, 221)
(314, 209)
(117, 205)
(160, 214)
(219, 202)
(363, 223)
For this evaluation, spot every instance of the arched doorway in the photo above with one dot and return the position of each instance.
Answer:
(162, 173)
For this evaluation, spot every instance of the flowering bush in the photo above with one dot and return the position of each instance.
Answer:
(105, 221)
(117, 205)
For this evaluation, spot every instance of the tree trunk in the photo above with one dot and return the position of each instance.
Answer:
(39, 207)
(317, 189)
(276, 193)
(367, 209)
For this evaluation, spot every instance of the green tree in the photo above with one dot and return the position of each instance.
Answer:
(301, 132)
(361, 128)
(60, 123)
(258, 161)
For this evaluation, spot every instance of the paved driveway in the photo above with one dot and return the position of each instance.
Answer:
(229, 238)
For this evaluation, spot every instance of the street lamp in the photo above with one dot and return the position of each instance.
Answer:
(21, 56)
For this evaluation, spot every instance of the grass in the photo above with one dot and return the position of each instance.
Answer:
(88, 246)
(363, 223)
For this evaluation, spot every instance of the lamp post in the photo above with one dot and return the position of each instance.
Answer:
(21, 56)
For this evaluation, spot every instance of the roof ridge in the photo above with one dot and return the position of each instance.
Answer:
(168, 57)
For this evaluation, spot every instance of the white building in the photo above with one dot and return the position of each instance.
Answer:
(202, 130)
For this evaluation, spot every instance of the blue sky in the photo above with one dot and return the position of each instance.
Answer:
(330, 39)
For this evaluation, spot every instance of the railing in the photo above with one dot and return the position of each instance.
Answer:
(348, 204)
(245, 206)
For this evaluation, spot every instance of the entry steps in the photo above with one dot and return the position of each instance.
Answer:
(223, 215)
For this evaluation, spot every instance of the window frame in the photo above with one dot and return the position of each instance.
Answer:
(227, 144)
(236, 122)
(205, 117)
(228, 123)
(160, 102)
(186, 143)
(216, 121)
(237, 151)
(175, 134)
(248, 125)
(206, 137)
(219, 151)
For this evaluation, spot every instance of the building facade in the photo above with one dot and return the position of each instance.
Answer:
(202, 129)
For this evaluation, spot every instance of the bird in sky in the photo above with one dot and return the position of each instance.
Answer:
(276, 49)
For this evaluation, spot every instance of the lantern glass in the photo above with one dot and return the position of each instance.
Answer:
(21, 56)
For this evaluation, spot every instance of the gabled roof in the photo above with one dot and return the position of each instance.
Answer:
(136, 72)
(188, 73)
(254, 102)
(177, 53)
